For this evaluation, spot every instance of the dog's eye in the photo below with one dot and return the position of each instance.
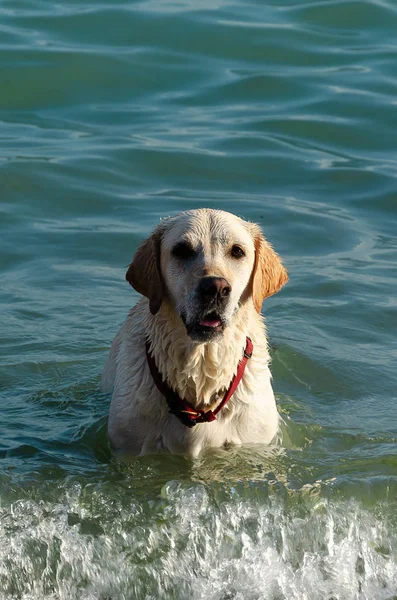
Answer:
(237, 252)
(183, 250)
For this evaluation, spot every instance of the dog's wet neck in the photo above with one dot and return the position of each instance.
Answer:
(199, 372)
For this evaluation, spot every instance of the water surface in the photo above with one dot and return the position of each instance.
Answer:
(113, 115)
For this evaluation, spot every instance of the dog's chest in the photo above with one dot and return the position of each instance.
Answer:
(204, 379)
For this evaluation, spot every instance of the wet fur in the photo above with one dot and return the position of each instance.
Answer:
(139, 421)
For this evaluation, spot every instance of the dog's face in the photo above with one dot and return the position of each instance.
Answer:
(207, 263)
(207, 259)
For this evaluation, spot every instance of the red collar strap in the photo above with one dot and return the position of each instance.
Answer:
(181, 408)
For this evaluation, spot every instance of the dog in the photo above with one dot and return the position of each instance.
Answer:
(189, 368)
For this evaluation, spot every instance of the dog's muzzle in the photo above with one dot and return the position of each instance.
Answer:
(212, 295)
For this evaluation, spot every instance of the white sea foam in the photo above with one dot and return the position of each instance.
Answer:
(195, 542)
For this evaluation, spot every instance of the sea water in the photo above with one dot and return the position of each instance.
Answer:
(113, 115)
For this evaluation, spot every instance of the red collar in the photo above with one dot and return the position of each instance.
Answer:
(181, 408)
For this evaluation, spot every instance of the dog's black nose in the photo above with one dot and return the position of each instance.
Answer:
(213, 288)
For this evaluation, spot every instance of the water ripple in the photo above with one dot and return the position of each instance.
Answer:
(113, 115)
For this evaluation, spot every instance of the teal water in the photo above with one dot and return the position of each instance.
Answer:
(113, 115)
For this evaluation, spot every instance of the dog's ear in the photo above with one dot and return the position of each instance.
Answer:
(144, 273)
(269, 275)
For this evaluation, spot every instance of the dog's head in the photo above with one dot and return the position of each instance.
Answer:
(207, 264)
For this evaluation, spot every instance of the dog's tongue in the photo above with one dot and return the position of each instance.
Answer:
(210, 322)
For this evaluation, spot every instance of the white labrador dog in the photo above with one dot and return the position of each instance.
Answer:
(180, 367)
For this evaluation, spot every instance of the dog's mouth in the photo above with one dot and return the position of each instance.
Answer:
(212, 320)
(206, 327)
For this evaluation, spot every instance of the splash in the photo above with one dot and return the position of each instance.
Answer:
(243, 541)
